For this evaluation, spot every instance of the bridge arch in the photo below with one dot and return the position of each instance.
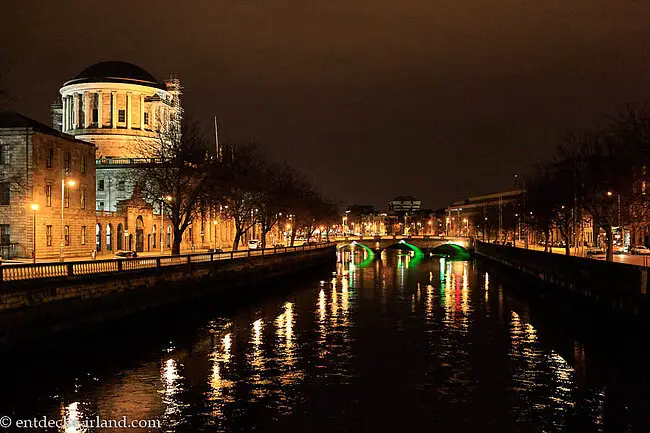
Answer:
(451, 250)
(405, 246)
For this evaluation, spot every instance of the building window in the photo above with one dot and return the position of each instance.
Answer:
(109, 242)
(100, 185)
(48, 195)
(121, 185)
(5, 234)
(66, 194)
(95, 115)
(121, 115)
(5, 193)
(48, 235)
(5, 155)
(49, 158)
(155, 235)
(83, 165)
(169, 236)
(101, 205)
(146, 118)
(66, 235)
(83, 235)
(67, 162)
(83, 198)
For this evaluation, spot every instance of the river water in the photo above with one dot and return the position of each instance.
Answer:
(398, 343)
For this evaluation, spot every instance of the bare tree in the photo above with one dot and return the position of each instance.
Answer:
(176, 175)
(236, 181)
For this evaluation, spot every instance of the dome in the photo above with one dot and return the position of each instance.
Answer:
(116, 72)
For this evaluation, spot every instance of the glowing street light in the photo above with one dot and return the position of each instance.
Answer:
(70, 183)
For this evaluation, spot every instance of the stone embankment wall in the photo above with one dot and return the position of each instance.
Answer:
(615, 287)
(55, 304)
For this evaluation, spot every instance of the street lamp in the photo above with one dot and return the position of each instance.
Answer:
(70, 183)
(214, 222)
(34, 209)
(162, 219)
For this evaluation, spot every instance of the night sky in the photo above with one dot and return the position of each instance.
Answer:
(373, 99)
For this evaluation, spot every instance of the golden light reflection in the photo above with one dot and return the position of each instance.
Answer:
(487, 286)
(73, 418)
(171, 381)
(533, 364)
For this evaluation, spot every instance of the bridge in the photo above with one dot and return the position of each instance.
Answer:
(445, 245)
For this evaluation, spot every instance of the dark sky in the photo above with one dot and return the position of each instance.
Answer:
(372, 98)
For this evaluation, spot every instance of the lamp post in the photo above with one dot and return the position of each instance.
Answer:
(69, 183)
(34, 209)
(162, 219)
(214, 223)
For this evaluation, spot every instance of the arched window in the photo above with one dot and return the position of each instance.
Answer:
(169, 236)
(154, 231)
(139, 234)
(98, 237)
(120, 236)
(109, 241)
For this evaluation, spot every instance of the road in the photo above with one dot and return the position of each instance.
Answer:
(629, 259)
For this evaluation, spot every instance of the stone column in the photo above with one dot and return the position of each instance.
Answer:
(100, 121)
(87, 111)
(128, 110)
(142, 112)
(64, 120)
(113, 110)
(75, 111)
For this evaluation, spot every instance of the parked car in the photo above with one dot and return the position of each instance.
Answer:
(595, 252)
(619, 249)
(254, 244)
(640, 250)
(125, 254)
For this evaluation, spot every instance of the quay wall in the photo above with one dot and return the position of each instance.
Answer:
(613, 287)
(36, 307)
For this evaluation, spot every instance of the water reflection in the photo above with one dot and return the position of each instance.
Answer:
(438, 341)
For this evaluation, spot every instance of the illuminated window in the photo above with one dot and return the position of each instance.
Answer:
(5, 234)
(67, 235)
(48, 195)
(48, 235)
(83, 235)
(66, 194)
(83, 198)
(5, 193)
(49, 158)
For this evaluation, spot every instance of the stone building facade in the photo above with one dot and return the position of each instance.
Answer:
(36, 160)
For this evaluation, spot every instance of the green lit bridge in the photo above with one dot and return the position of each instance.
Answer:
(437, 245)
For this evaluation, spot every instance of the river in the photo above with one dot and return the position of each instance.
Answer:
(399, 343)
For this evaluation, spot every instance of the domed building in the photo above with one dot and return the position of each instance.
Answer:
(118, 107)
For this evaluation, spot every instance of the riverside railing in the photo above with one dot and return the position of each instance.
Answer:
(39, 271)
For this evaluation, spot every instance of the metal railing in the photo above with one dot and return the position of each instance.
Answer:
(127, 161)
(39, 271)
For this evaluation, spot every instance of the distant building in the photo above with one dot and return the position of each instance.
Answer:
(404, 204)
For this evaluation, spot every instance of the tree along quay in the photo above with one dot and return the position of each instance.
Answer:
(613, 288)
(50, 302)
